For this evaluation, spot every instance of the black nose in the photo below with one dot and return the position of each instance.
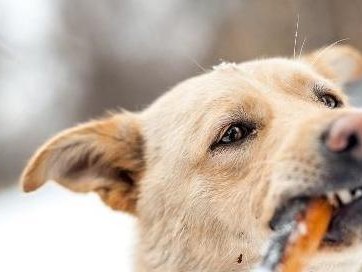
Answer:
(345, 135)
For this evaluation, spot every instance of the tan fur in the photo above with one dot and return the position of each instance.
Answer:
(92, 157)
(199, 208)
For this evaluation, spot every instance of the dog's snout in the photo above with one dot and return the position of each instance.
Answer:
(345, 135)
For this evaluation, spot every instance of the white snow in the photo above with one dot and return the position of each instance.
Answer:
(56, 230)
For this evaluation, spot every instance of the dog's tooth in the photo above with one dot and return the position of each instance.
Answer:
(332, 199)
(357, 193)
(345, 196)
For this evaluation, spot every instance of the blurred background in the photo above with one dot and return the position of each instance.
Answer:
(65, 61)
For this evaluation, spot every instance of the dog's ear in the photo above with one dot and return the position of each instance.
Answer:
(342, 64)
(104, 156)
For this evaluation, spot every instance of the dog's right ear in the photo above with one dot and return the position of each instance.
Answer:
(341, 64)
(104, 156)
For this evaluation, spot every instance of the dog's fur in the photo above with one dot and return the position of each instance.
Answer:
(200, 206)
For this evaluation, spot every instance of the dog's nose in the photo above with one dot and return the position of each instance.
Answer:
(345, 135)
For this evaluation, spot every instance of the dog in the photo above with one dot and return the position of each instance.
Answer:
(209, 164)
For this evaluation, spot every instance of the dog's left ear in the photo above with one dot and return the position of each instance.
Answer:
(341, 64)
(104, 156)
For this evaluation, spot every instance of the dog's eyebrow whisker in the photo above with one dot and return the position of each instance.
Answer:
(324, 50)
(197, 64)
(296, 36)
(301, 48)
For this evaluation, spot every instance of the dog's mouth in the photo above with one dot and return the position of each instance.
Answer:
(346, 221)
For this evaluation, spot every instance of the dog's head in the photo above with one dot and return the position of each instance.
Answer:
(209, 166)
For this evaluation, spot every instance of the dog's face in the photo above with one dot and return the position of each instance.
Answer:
(210, 166)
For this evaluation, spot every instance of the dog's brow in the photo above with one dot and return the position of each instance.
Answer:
(319, 88)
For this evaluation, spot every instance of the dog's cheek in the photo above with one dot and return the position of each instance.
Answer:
(259, 201)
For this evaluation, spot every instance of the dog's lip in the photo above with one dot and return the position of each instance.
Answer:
(344, 204)
(337, 231)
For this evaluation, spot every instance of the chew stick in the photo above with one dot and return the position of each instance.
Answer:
(292, 246)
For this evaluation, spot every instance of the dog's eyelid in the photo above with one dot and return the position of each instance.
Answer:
(246, 123)
(250, 126)
(321, 90)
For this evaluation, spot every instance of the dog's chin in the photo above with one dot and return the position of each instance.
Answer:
(345, 229)
(332, 260)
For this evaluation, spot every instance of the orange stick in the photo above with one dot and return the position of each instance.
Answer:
(312, 228)
(292, 250)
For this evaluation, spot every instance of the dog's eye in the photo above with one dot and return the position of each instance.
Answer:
(235, 133)
(329, 100)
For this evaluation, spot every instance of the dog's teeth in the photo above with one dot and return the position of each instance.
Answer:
(332, 199)
(345, 196)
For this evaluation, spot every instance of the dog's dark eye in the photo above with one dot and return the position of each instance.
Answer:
(235, 133)
(329, 100)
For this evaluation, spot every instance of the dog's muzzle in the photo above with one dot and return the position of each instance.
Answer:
(341, 148)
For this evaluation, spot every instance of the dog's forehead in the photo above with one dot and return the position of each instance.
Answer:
(194, 109)
(277, 74)
(237, 82)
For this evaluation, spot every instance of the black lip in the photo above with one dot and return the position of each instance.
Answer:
(288, 212)
(340, 170)
(346, 223)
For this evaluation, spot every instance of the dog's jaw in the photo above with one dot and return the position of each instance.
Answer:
(350, 260)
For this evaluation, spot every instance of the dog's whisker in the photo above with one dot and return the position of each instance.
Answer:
(325, 49)
(296, 36)
(197, 64)
(301, 48)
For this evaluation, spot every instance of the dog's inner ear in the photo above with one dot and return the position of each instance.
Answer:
(341, 64)
(104, 156)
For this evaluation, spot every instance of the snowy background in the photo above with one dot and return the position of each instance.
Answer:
(65, 61)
